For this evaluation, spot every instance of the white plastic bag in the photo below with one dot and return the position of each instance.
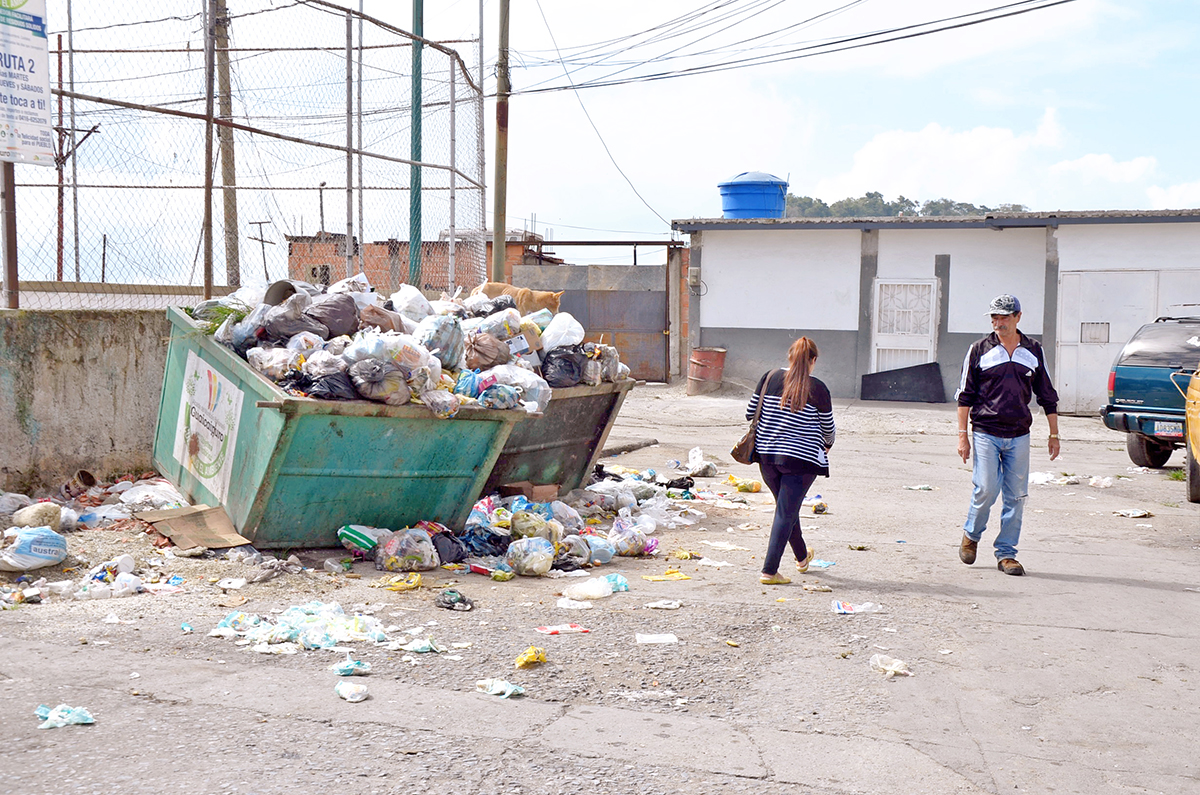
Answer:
(564, 329)
(591, 588)
(322, 363)
(27, 548)
(153, 496)
(274, 363)
(410, 302)
(533, 387)
(305, 343)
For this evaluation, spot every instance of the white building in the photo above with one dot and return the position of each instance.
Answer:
(878, 294)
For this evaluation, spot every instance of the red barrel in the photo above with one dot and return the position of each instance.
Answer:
(704, 370)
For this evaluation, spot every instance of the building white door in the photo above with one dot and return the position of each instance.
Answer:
(904, 328)
(1098, 311)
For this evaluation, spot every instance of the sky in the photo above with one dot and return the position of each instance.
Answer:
(1087, 105)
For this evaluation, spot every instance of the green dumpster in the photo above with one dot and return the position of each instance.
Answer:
(561, 446)
(289, 471)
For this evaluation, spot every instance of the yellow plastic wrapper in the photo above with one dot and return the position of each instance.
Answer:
(745, 484)
(398, 582)
(669, 574)
(531, 656)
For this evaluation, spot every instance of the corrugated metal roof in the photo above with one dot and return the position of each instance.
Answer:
(990, 221)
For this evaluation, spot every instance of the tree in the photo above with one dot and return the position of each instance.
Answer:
(806, 207)
(873, 205)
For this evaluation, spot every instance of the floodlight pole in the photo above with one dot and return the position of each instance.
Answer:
(500, 189)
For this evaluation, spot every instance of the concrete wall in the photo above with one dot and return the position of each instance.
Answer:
(781, 280)
(762, 289)
(983, 264)
(78, 390)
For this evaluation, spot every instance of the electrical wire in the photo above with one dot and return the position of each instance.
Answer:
(827, 47)
(601, 137)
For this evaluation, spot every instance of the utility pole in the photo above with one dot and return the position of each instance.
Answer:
(414, 181)
(262, 243)
(233, 268)
(500, 189)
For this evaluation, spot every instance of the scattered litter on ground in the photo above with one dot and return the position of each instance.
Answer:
(661, 638)
(573, 604)
(714, 563)
(562, 629)
(858, 547)
(664, 604)
(822, 564)
(62, 715)
(922, 487)
(889, 666)
(351, 691)
(816, 587)
(724, 545)
(498, 687)
(531, 656)
(451, 599)
(846, 608)
(1133, 513)
(669, 574)
(351, 667)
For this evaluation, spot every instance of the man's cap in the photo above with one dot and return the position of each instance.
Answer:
(1004, 305)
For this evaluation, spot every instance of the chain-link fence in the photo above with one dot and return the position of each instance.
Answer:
(316, 171)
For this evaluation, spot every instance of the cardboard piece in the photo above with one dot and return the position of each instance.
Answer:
(195, 526)
(547, 493)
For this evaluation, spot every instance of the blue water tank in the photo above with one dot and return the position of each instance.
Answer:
(753, 194)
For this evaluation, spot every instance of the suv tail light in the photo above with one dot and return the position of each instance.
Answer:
(1112, 380)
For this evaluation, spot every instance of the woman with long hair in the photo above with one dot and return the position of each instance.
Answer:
(791, 444)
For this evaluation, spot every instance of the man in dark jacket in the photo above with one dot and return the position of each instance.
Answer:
(1001, 373)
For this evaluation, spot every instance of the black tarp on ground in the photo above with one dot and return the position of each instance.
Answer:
(921, 383)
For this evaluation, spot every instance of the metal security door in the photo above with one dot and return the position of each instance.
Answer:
(904, 327)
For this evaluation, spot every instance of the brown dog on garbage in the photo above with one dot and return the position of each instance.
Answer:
(528, 301)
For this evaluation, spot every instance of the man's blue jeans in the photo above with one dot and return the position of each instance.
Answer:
(1001, 467)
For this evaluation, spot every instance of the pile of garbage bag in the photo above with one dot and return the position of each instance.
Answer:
(348, 342)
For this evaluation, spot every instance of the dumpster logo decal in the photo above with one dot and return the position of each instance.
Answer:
(208, 421)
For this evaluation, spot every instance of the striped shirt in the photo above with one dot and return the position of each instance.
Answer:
(794, 441)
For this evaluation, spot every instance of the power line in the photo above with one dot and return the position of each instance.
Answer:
(597, 130)
(841, 44)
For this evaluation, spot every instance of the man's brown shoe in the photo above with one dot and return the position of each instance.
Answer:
(1010, 566)
(966, 550)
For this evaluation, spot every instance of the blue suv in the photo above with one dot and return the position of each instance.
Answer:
(1142, 400)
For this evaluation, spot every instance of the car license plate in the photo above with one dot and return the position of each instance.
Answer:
(1168, 429)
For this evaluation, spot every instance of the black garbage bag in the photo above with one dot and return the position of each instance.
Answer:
(563, 366)
(335, 386)
(449, 548)
(295, 381)
(683, 484)
(336, 311)
(497, 304)
(288, 319)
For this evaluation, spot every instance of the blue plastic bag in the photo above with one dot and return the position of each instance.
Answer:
(500, 396)
(468, 383)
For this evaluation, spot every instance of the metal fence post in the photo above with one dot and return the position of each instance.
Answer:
(12, 293)
(349, 144)
(453, 162)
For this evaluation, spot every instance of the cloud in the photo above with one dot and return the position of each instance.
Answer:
(1175, 197)
(980, 165)
(1106, 167)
